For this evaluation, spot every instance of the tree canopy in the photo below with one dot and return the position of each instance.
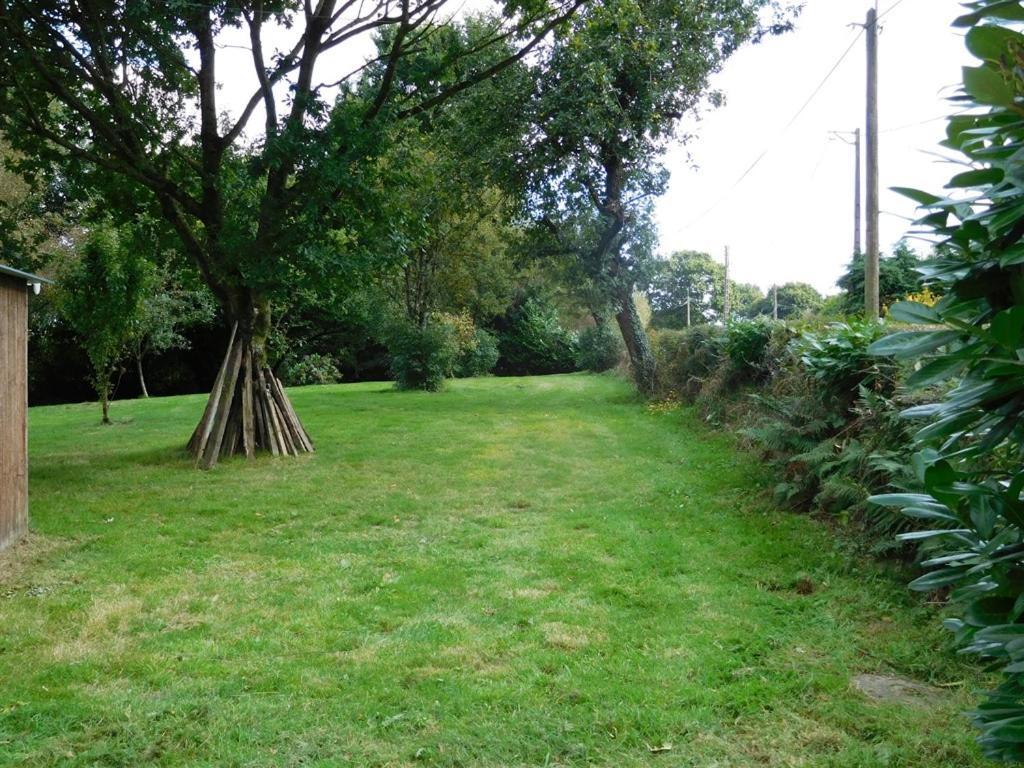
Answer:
(124, 100)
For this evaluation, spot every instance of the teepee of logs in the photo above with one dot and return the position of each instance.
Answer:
(248, 411)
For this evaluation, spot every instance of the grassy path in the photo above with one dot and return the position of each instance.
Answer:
(516, 572)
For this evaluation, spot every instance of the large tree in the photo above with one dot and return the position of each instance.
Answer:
(123, 96)
(611, 93)
(898, 278)
(686, 289)
(793, 300)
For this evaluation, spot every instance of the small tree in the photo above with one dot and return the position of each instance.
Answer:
(102, 295)
(169, 307)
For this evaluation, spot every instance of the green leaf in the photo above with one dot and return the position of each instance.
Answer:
(989, 611)
(939, 475)
(992, 43)
(936, 371)
(978, 178)
(925, 199)
(920, 535)
(1012, 256)
(901, 499)
(910, 344)
(1008, 327)
(987, 86)
(1010, 10)
(923, 513)
(913, 312)
(936, 579)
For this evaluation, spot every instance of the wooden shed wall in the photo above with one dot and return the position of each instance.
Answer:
(13, 409)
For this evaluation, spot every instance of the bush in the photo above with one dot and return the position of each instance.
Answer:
(748, 344)
(838, 358)
(480, 357)
(686, 359)
(970, 463)
(421, 358)
(600, 348)
(476, 349)
(532, 340)
(311, 369)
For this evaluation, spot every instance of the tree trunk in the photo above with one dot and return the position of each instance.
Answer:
(105, 405)
(641, 358)
(142, 378)
(248, 410)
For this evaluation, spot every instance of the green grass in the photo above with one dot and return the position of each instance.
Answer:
(514, 572)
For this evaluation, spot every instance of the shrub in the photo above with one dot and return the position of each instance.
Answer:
(838, 358)
(971, 458)
(747, 346)
(311, 369)
(476, 349)
(600, 348)
(480, 357)
(421, 358)
(533, 341)
(686, 359)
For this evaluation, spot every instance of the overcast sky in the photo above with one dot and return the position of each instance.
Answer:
(792, 217)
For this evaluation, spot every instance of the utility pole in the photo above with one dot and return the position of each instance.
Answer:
(775, 302)
(856, 194)
(728, 294)
(687, 307)
(841, 135)
(871, 254)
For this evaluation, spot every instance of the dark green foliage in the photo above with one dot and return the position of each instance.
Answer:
(311, 369)
(687, 358)
(838, 358)
(971, 458)
(421, 357)
(687, 277)
(795, 300)
(600, 348)
(898, 277)
(479, 357)
(690, 276)
(747, 345)
(612, 87)
(532, 340)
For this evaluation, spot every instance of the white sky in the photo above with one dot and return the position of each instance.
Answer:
(791, 219)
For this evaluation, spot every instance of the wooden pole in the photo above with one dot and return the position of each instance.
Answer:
(856, 195)
(871, 304)
(727, 308)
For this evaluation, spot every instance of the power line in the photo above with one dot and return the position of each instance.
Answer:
(889, 10)
(782, 133)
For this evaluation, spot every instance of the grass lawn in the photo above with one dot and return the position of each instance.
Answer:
(514, 572)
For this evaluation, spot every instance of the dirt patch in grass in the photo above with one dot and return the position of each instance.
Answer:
(567, 637)
(105, 629)
(888, 688)
(27, 553)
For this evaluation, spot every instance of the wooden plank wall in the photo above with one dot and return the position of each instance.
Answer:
(13, 409)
